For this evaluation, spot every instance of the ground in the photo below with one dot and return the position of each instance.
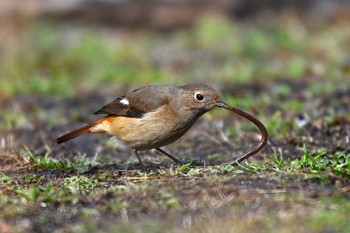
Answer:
(291, 73)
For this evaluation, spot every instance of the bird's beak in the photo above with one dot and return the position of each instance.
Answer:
(220, 104)
(254, 120)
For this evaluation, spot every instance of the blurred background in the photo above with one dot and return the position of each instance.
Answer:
(60, 47)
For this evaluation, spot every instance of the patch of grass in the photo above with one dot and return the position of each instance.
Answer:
(319, 163)
(276, 125)
(33, 179)
(78, 183)
(80, 163)
(33, 193)
(184, 167)
(10, 120)
(4, 179)
(278, 162)
(338, 162)
(322, 164)
(46, 161)
(49, 194)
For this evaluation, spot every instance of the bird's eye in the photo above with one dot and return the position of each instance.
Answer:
(199, 97)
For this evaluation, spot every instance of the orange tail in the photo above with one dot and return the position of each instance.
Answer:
(77, 132)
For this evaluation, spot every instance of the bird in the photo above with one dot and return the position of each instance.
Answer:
(154, 116)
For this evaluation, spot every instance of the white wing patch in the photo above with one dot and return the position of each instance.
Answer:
(149, 114)
(124, 102)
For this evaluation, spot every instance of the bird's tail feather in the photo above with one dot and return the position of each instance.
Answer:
(76, 133)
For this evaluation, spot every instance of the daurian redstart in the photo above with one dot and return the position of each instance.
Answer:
(154, 116)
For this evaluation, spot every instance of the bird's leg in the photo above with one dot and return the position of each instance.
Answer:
(169, 155)
(139, 159)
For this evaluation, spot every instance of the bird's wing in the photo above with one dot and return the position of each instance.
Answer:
(137, 102)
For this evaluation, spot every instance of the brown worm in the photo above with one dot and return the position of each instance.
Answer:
(263, 131)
